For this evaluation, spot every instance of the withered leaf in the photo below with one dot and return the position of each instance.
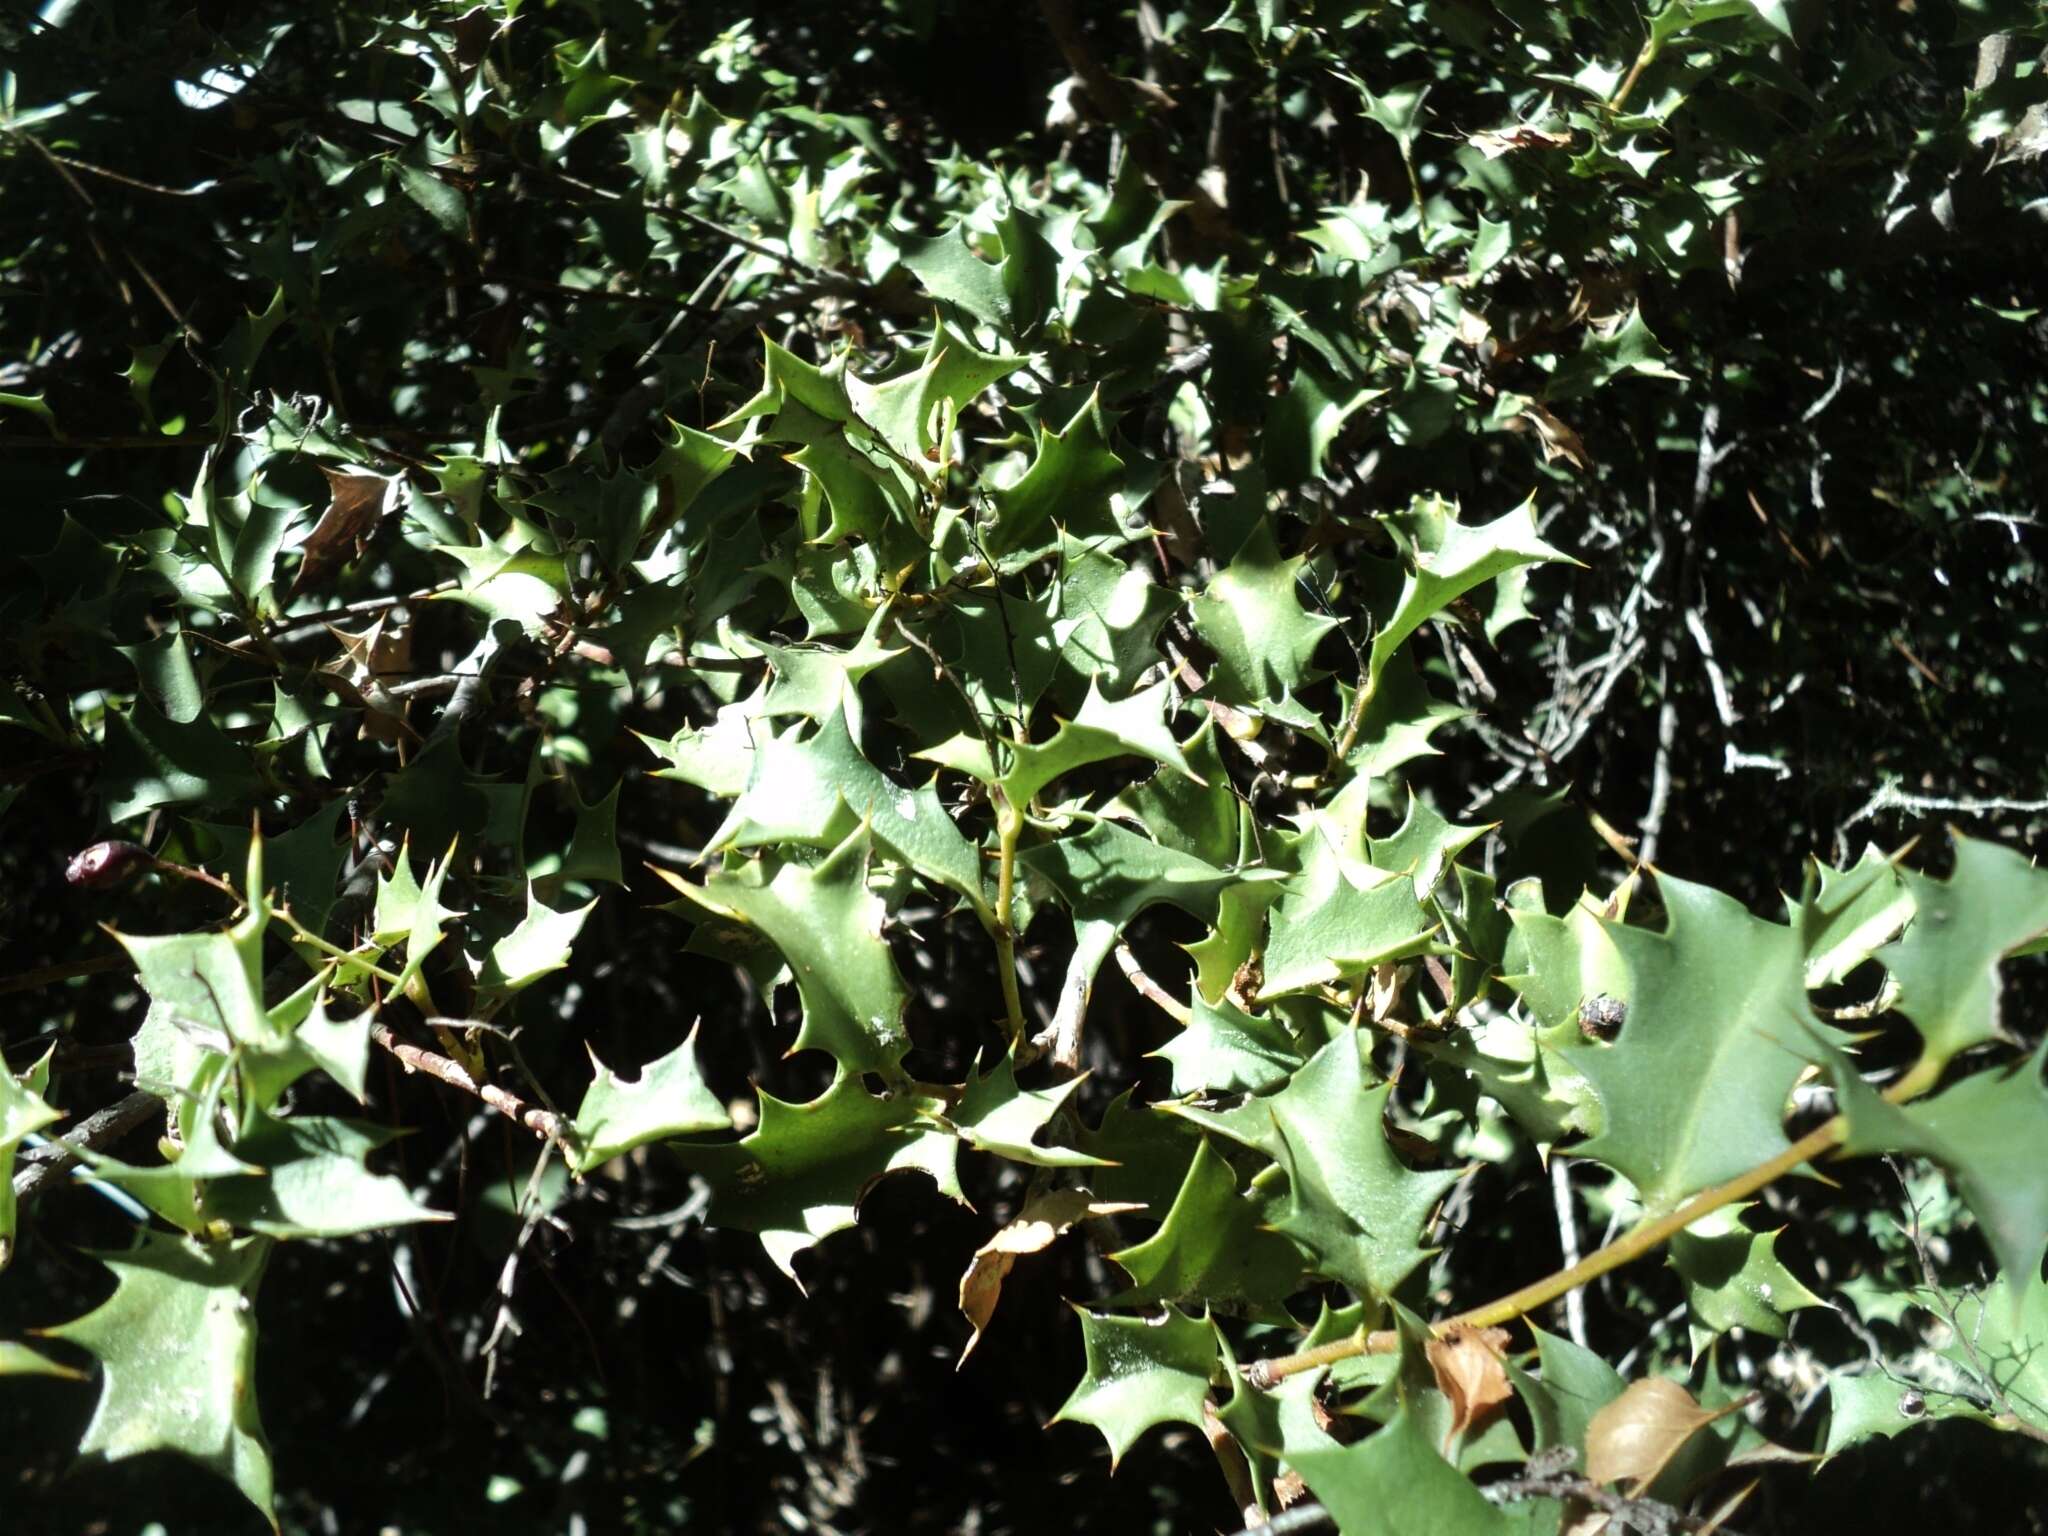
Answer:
(1501, 141)
(1637, 1434)
(1043, 1218)
(356, 502)
(1559, 439)
(1469, 1372)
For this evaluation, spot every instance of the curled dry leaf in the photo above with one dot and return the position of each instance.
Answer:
(355, 503)
(370, 662)
(1496, 142)
(1043, 1218)
(1559, 439)
(1469, 1372)
(1637, 1434)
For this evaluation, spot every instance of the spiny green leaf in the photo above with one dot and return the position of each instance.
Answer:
(1396, 1481)
(1067, 487)
(1251, 615)
(800, 1175)
(1226, 1050)
(828, 927)
(1851, 913)
(1446, 559)
(1142, 1371)
(1873, 1406)
(1734, 1278)
(536, 947)
(1352, 1205)
(314, 1182)
(1693, 1089)
(1989, 1131)
(1571, 1384)
(176, 1344)
(1424, 846)
(153, 761)
(1946, 966)
(22, 1111)
(906, 410)
(1214, 1247)
(409, 912)
(995, 1115)
(20, 1360)
(1327, 926)
(669, 1099)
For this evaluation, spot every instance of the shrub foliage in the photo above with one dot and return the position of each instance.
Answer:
(701, 706)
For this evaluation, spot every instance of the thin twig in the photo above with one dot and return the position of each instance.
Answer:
(1149, 989)
(548, 1127)
(96, 1130)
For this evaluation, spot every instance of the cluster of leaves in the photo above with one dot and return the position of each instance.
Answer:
(1089, 557)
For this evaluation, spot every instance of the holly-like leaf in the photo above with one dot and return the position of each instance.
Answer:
(1734, 1278)
(409, 911)
(1693, 1088)
(994, 1115)
(538, 946)
(1946, 966)
(1873, 1406)
(20, 1360)
(1850, 914)
(1570, 1386)
(1106, 615)
(909, 412)
(1352, 1205)
(153, 761)
(2006, 1329)
(828, 926)
(1446, 559)
(1133, 727)
(817, 790)
(668, 1099)
(1424, 846)
(1395, 1480)
(1328, 926)
(1142, 1371)
(1223, 1049)
(800, 1174)
(22, 1111)
(313, 1182)
(1067, 487)
(1988, 1131)
(176, 1344)
(1213, 1247)
(1252, 616)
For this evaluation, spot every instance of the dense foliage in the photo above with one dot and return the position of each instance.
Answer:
(1308, 660)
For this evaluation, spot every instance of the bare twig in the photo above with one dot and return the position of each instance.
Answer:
(96, 1130)
(1149, 989)
(549, 1127)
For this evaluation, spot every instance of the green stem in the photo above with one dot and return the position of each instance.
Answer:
(349, 957)
(1643, 61)
(1631, 1245)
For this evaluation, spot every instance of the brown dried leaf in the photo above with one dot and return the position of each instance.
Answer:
(1496, 142)
(356, 502)
(1288, 1487)
(1559, 440)
(369, 664)
(1638, 1433)
(1042, 1219)
(1469, 1372)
